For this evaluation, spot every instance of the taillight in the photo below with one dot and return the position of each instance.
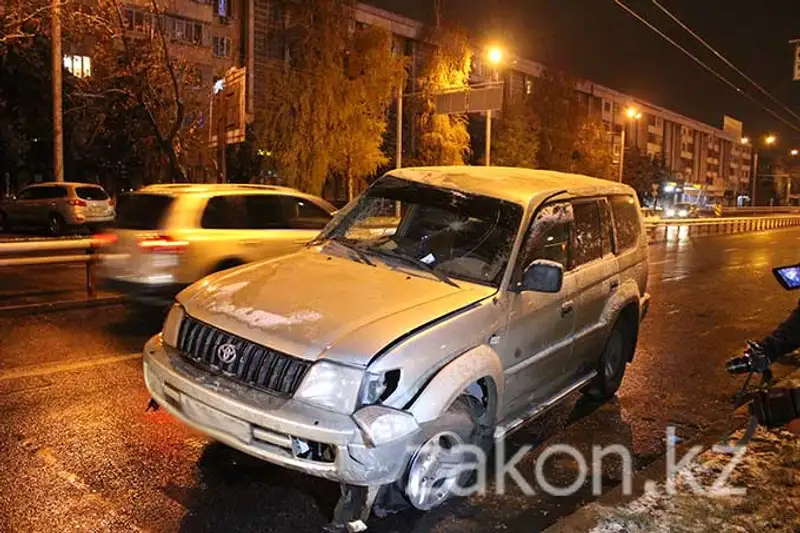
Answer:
(162, 244)
(104, 239)
(77, 203)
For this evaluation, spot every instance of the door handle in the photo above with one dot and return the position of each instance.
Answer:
(614, 285)
(567, 308)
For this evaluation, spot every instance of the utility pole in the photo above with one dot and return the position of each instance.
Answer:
(754, 179)
(398, 163)
(488, 137)
(621, 152)
(58, 64)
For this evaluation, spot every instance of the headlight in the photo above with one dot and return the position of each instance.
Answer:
(382, 425)
(376, 387)
(172, 325)
(683, 213)
(332, 386)
(670, 212)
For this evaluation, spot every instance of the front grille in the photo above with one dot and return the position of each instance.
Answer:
(253, 365)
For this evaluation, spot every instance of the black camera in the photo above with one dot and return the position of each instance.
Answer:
(775, 407)
(754, 359)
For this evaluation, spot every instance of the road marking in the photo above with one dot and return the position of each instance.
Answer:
(49, 458)
(731, 249)
(54, 368)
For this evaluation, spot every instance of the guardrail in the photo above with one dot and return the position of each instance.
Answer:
(677, 229)
(53, 252)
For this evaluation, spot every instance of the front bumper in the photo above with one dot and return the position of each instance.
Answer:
(267, 426)
(644, 306)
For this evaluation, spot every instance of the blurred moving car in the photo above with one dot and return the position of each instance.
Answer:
(169, 236)
(58, 207)
(682, 210)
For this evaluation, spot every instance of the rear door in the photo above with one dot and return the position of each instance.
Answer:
(594, 266)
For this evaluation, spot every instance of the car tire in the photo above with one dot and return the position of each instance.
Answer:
(468, 421)
(617, 352)
(56, 224)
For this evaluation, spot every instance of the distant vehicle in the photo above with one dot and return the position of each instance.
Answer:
(58, 207)
(682, 210)
(168, 236)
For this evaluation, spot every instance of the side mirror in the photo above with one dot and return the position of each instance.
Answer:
(543, 276)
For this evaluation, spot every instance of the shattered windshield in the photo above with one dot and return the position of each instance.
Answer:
(449, 233)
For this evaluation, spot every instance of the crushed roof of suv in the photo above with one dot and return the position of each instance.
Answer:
(513, 184)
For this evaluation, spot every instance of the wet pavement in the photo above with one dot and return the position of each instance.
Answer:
(79, 453)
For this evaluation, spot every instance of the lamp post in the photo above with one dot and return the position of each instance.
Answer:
(495, 57)
(769, 140)
(632, 114)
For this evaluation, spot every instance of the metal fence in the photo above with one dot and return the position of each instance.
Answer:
(52, 252)
(673, 230)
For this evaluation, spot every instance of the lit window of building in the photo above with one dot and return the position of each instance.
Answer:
(78, 66)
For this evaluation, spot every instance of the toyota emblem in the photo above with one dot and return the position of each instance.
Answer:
(226, 353)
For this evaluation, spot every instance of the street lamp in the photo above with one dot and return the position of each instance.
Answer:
(633, 114)
(794, 152)
(495, 56)
(745, 140)
(769, 140)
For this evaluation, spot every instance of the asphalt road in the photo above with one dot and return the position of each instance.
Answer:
(78, 452)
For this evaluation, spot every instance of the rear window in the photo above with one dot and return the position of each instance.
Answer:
(91, 193)
(142, 211)
(627, 222)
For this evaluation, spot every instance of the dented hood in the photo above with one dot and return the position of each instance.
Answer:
(312, 305)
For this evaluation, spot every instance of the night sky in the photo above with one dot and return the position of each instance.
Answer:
(598, 40)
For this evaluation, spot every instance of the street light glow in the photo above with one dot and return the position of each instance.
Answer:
(794, 151)
(631, 112)
(745, 140)
(770, 139)
(495, 55)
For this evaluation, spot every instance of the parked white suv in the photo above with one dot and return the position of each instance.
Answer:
(445, 306)
(168, 236)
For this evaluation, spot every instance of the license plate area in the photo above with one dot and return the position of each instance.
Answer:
(211, 418)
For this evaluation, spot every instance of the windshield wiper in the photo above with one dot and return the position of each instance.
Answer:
(362, 256)
(419, 263)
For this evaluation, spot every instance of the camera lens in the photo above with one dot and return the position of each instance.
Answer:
(739, 365)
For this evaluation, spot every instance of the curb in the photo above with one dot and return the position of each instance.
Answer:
(61, 305)
(588, 516)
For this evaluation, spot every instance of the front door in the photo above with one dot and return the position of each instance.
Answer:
(538, 341)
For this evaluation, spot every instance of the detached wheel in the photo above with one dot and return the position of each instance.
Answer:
(55, 224)
(434, 471)
(617, 352)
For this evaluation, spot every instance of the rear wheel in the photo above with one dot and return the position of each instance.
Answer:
(617, 352)
(56, 224)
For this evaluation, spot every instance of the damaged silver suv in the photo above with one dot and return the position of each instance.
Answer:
(444, 306)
